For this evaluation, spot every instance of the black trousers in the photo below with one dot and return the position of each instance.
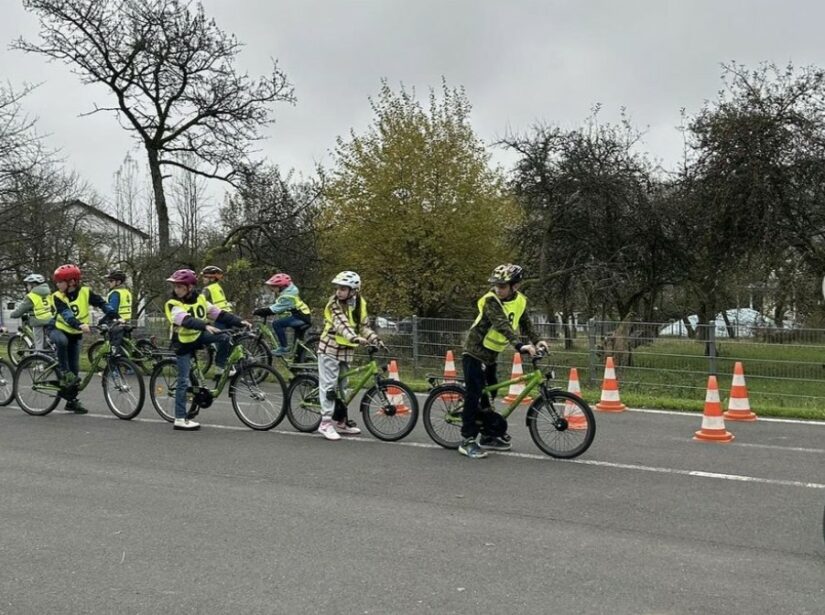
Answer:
(477, 375)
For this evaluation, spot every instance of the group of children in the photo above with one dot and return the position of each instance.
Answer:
(197, 318)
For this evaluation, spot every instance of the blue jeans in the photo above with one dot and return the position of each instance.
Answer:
(222, 349)
(68, 350)
(282, 324)
(184, 361)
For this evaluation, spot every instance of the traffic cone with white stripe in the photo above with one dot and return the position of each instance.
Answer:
(739, 408)
(610, 401)
(713, 424)
(450, 376)
(517, 388)
(395, 395)
(575, 419)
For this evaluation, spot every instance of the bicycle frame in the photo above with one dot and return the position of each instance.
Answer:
(370, 370)
(531, 382)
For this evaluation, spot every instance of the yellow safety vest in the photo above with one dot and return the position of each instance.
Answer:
(514, 308)
(301, 306)
(218, 298)
(43, 307)
(340, 339)
(195, 310)
(124, 308)
(80, 308)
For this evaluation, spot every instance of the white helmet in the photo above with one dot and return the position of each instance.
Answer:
(34, 278)
(348, 278)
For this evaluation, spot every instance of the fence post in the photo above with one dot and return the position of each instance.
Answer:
(712, 348)
(415, 343)
(591, 351)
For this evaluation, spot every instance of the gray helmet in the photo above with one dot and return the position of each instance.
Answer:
(348, 278)
(34, 278)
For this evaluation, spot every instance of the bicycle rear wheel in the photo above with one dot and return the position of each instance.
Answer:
(93, 349)
(389, 410)
(36, 385)
(123, 388)
(6, 382)
(258, 396)
(303, 404)
(162, 385)
(562, 426)
(442, 414)
(259, 351)
(18, 347)
(205, 357)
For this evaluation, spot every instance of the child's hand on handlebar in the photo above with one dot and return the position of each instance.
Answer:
(213, 330)
(543, 347)
(85, 328)
(246, 324)
(361, 341)
(529, 349)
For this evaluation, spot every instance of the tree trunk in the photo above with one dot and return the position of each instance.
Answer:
(160, 200)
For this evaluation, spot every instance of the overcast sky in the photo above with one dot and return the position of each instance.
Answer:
(520, 61)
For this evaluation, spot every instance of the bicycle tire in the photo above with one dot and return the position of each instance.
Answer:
(32, 371)
(17, 347)
(303, 403)
(124, 377)
(92, 350)
(259, 351)
(395, 414)
(563, 430)
(6, 382)
(442, 414)
(162, 385)
(146, 346)
(206, 357)
(260, 383)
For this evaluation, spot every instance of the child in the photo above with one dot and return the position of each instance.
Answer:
(212, 290)
(287, 302)
(119, 297)
(72, 304)
(39, 303)
(345, 327)
(502, 316)
(193, 319)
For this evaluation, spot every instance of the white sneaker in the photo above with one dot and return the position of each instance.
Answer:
(186, 425)
(347, 428)
(327, 429)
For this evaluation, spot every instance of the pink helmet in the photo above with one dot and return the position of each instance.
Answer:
(280, 280)
(183, 276)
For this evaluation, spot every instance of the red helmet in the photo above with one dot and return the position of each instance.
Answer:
(66, 273)
(280, 280)
(183, 276)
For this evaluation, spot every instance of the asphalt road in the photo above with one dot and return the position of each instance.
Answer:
(106, 516)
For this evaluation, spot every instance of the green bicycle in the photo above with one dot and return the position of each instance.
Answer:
(143, 352)
(257, 391)
(561, 424)
(388, 407)
(38, 388)
(302, 351)
(21, 343)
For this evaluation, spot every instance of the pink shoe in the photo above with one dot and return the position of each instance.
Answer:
(346, 427)
(327, 429)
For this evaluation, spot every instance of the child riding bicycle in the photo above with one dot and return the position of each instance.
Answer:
(40, 304)
(193, 320)
(346, 325)
(287, 302)
(502, 318)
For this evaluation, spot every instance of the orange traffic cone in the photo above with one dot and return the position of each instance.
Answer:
(517, 388)
(575, 420)
(610, 401)
(395, 395)
(713, 425)
(450, 376)
(739, 408)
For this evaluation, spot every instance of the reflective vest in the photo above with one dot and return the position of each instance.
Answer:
(514, 308)
(43, 307)
(195, 310)
(340, 339)
(218, 298)
(124, 308)
(79, 307)
(300, 306)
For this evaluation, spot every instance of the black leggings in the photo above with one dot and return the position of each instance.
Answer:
(477, 375)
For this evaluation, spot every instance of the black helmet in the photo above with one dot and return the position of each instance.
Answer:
(116, 275)
(212, 270)
(507, 274)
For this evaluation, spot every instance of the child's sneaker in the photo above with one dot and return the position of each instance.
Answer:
(281, 351)
(186, 425)
(74, 405)
(346, 427)
(493, 443)
(470, 448)
(327, 429)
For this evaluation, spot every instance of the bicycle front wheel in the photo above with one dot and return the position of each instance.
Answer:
(258, 351)
(258, 396)
(93, 350)
(442, 414)
(123, 388)
(36, 385)
(6, 382)
(18, 347)
(303, 405)
(389, 410)
(162, 385)
(562, 426)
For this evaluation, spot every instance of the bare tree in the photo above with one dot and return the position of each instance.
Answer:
(189, 197)
(21, 148)
(171, 71)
